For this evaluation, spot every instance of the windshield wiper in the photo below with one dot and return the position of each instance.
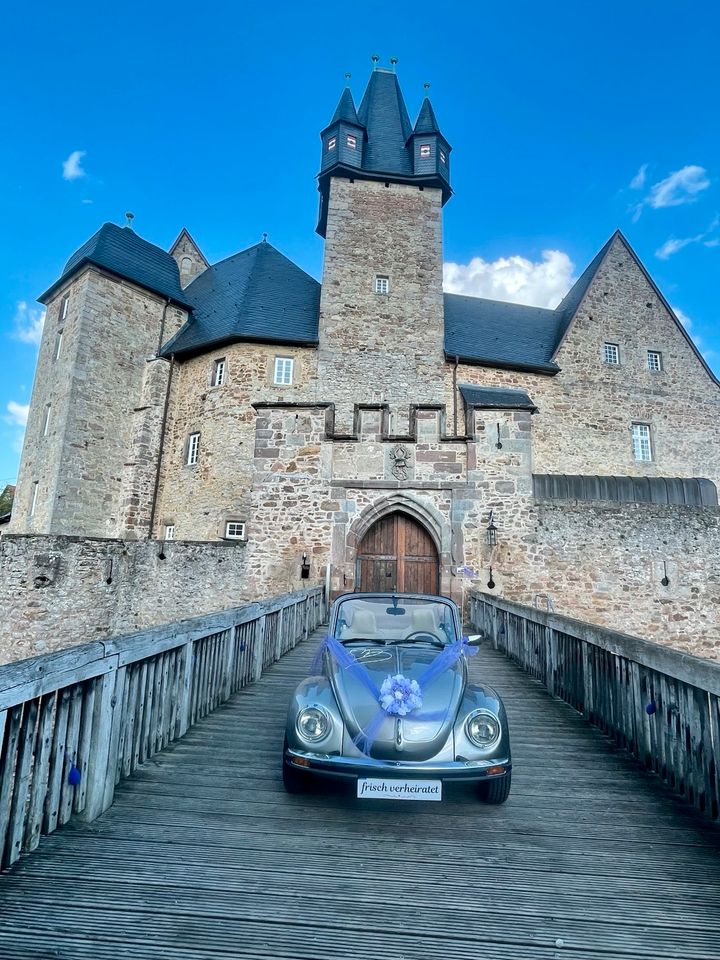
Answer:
(362, 640)
(433, 641)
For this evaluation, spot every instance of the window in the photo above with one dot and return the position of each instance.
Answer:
(351, 141)
(185, 264)
(654, 361)
(234, 530)
(169, 531)
(46, 421)
(58, 345)
(642, 448)
(443, 158)
(218, 372)
(193, 448)
(284, 371)
(64, 306)
(382, 284)
(33, 503)
(424, 149)
(612, 353)
(332, 143)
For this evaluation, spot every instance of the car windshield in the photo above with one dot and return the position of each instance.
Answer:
(395, 619)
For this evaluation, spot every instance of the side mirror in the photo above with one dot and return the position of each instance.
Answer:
(476, 639)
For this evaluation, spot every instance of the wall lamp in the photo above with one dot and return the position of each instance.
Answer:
(491, 531)
(305, 568)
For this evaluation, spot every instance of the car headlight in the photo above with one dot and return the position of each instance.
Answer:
(483, 728)
(313, 723)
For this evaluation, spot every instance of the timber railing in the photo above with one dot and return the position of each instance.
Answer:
(75, 723)
(660, 704)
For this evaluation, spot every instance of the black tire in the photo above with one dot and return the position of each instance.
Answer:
(495, 789)
(294, 780)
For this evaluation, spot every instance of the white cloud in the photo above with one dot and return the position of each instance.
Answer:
(72, 167)
(28, 323)
(638, 181)
(673, 244)
(678, 188)
(17, 414)
(515, 279)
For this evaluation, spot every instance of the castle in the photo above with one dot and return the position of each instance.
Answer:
(371, 431)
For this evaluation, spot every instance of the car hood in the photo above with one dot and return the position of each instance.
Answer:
(418, 736)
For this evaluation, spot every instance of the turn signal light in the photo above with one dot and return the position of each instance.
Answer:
(493, 771)
(300, 762)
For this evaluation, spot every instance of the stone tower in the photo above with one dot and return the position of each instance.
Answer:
(382, 187)
(119, 297)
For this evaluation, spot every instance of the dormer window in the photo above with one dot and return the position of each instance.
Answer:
(443, 158)
(424, 149)
(352, 142)
(332, 143)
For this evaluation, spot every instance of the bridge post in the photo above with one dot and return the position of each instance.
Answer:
(104, 737)
(259, 647)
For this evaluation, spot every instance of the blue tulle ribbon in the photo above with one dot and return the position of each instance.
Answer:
(346, 661)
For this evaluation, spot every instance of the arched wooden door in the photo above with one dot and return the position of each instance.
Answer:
(397, 554)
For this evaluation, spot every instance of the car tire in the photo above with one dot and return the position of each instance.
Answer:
(294, 780)
(495, 790)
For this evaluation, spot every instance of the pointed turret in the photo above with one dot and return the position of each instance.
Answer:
(344, 137)
(430, 149)
(378, 141)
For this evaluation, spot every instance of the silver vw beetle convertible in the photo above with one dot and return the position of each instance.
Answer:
(388, 704)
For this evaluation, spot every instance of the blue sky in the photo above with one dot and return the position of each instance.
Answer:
(567, 121)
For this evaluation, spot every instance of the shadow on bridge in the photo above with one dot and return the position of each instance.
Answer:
(203, 855)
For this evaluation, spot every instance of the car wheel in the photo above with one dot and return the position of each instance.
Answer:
(495, 790)
(294, 780)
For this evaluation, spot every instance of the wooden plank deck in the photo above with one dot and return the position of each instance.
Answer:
(204, 856)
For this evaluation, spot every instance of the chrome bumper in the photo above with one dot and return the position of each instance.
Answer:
(350, 768)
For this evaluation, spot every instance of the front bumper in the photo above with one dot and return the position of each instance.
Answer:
(350, 768)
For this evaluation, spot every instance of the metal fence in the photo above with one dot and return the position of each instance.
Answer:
(660, 704)
(75, 723)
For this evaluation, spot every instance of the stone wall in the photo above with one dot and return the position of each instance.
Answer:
(605, 563)
(374, 346)
(58, 591)
(93, 389)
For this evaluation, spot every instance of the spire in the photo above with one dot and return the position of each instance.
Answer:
(345, 109)
(426, 121)
(384, 115)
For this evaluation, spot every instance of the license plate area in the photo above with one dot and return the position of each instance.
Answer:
(386, 788)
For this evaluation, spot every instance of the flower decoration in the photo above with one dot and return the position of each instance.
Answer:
(399, 695)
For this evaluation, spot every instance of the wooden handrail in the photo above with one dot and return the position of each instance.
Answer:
(76, 722)
(660, 704)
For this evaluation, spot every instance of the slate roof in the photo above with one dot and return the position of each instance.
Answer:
(345, 109)
(384, 115)
(426, 121)
(121, 251)
(500, 334)
(495, 398)
(257, 294)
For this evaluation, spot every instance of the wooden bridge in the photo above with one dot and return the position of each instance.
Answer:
(202, 855)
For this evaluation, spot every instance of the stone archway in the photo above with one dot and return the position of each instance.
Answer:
(397, 553)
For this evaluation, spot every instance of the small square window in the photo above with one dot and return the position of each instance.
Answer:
(218, 372)
(642, 447)
(332, 143)
(654, 361)
(352, 141)
(64, 306)
(424, 149)
(193, 449)
(382, 284)
(169, 531)
(612, 353)
(284, 371)
(234, 530)
(58, 345)
(443, 158)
